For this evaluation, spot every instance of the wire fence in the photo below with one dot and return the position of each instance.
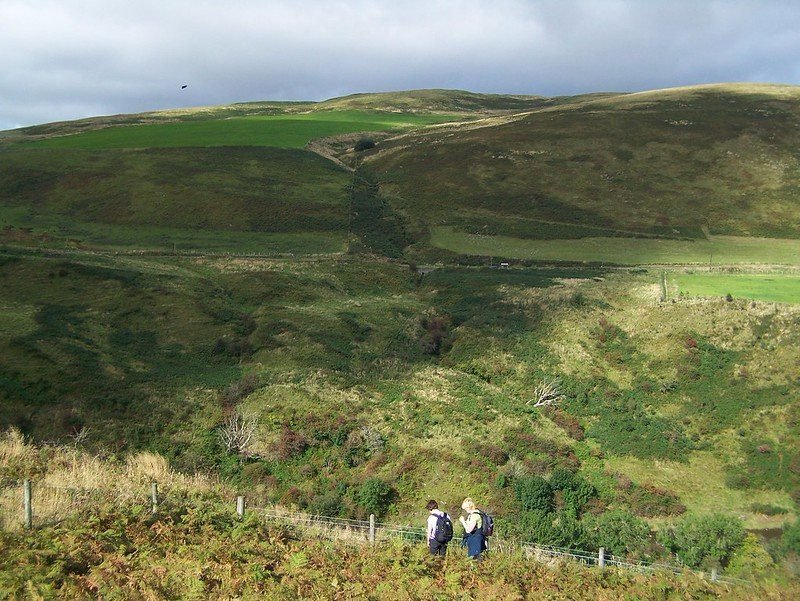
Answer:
(54, 504)
(373, 531)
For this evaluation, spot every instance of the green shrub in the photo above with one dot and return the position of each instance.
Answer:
(575, 491)
(750, 559)
(620, 532)
(562, 479)
(768, 509)
(375, 496)
(704, 540)
(534, 494)
(790, 539)
(328, 503)
(628, 430)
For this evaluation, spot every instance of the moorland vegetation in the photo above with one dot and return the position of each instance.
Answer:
(162, 273)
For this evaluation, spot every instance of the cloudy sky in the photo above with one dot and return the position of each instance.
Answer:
(66, 59)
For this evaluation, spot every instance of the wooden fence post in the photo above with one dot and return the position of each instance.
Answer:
(601, 557)
(28, 503)
(372, 528)
(240, 506)
(154, 497)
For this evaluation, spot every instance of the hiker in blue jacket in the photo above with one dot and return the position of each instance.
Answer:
(474, 540)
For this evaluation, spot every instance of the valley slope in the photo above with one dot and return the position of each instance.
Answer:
(331, 272)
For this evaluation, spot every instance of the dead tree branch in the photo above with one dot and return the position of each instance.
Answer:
(547, 393)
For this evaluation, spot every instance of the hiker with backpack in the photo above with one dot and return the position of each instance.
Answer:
(477, 527)
(440, 529)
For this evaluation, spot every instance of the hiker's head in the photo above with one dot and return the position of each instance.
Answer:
(432, 505)
(468, 504)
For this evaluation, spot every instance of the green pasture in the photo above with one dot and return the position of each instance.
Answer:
(624, 251)
(779, 288)
(284, 131)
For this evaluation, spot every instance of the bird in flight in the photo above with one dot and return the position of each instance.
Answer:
(184, 86)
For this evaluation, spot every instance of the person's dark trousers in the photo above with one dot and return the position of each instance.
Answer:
(436, 547)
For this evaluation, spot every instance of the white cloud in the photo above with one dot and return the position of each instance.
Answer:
(76, 58)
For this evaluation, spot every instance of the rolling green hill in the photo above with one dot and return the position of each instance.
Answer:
(162, 272)
(666, 163)
(178, 197)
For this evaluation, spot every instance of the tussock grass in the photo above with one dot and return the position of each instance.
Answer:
(66, 478)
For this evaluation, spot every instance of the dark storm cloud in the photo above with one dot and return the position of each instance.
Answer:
(74, 58)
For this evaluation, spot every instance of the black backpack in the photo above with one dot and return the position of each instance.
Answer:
(444, 529)
(487, 523)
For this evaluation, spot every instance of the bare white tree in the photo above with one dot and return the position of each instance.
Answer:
(547, 393)
(237, 431)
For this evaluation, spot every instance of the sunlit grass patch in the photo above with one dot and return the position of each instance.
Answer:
(16, 319)
(285, 131)
(781, 288)
(624, 251)
(700, 484)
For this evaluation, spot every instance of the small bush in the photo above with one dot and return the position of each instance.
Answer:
(704, 541)
(241, 389)
(750, 559)
(566, 422)
(237, 347)
(290, 444)
(651, 501)
(375, 496)
(767, 509)
(364, 144)
(434, 338)
(327, 503)
(621, 533)
(790, 539)
(534, 494)
(493, 453)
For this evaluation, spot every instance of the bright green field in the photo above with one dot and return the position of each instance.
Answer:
(624, 251)
(767, 287)
(285, 131)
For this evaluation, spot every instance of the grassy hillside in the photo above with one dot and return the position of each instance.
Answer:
(680, 164)
(720, 250)
(433, 101)
(358, 369)
(282, 131)
(667, 163)
(95, 536)
(152, 293)
(177, 198)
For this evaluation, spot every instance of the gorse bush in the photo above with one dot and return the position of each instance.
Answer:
(703, 540)
(621, 533)
(534, 494)
(375, 496)
(575, 491)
